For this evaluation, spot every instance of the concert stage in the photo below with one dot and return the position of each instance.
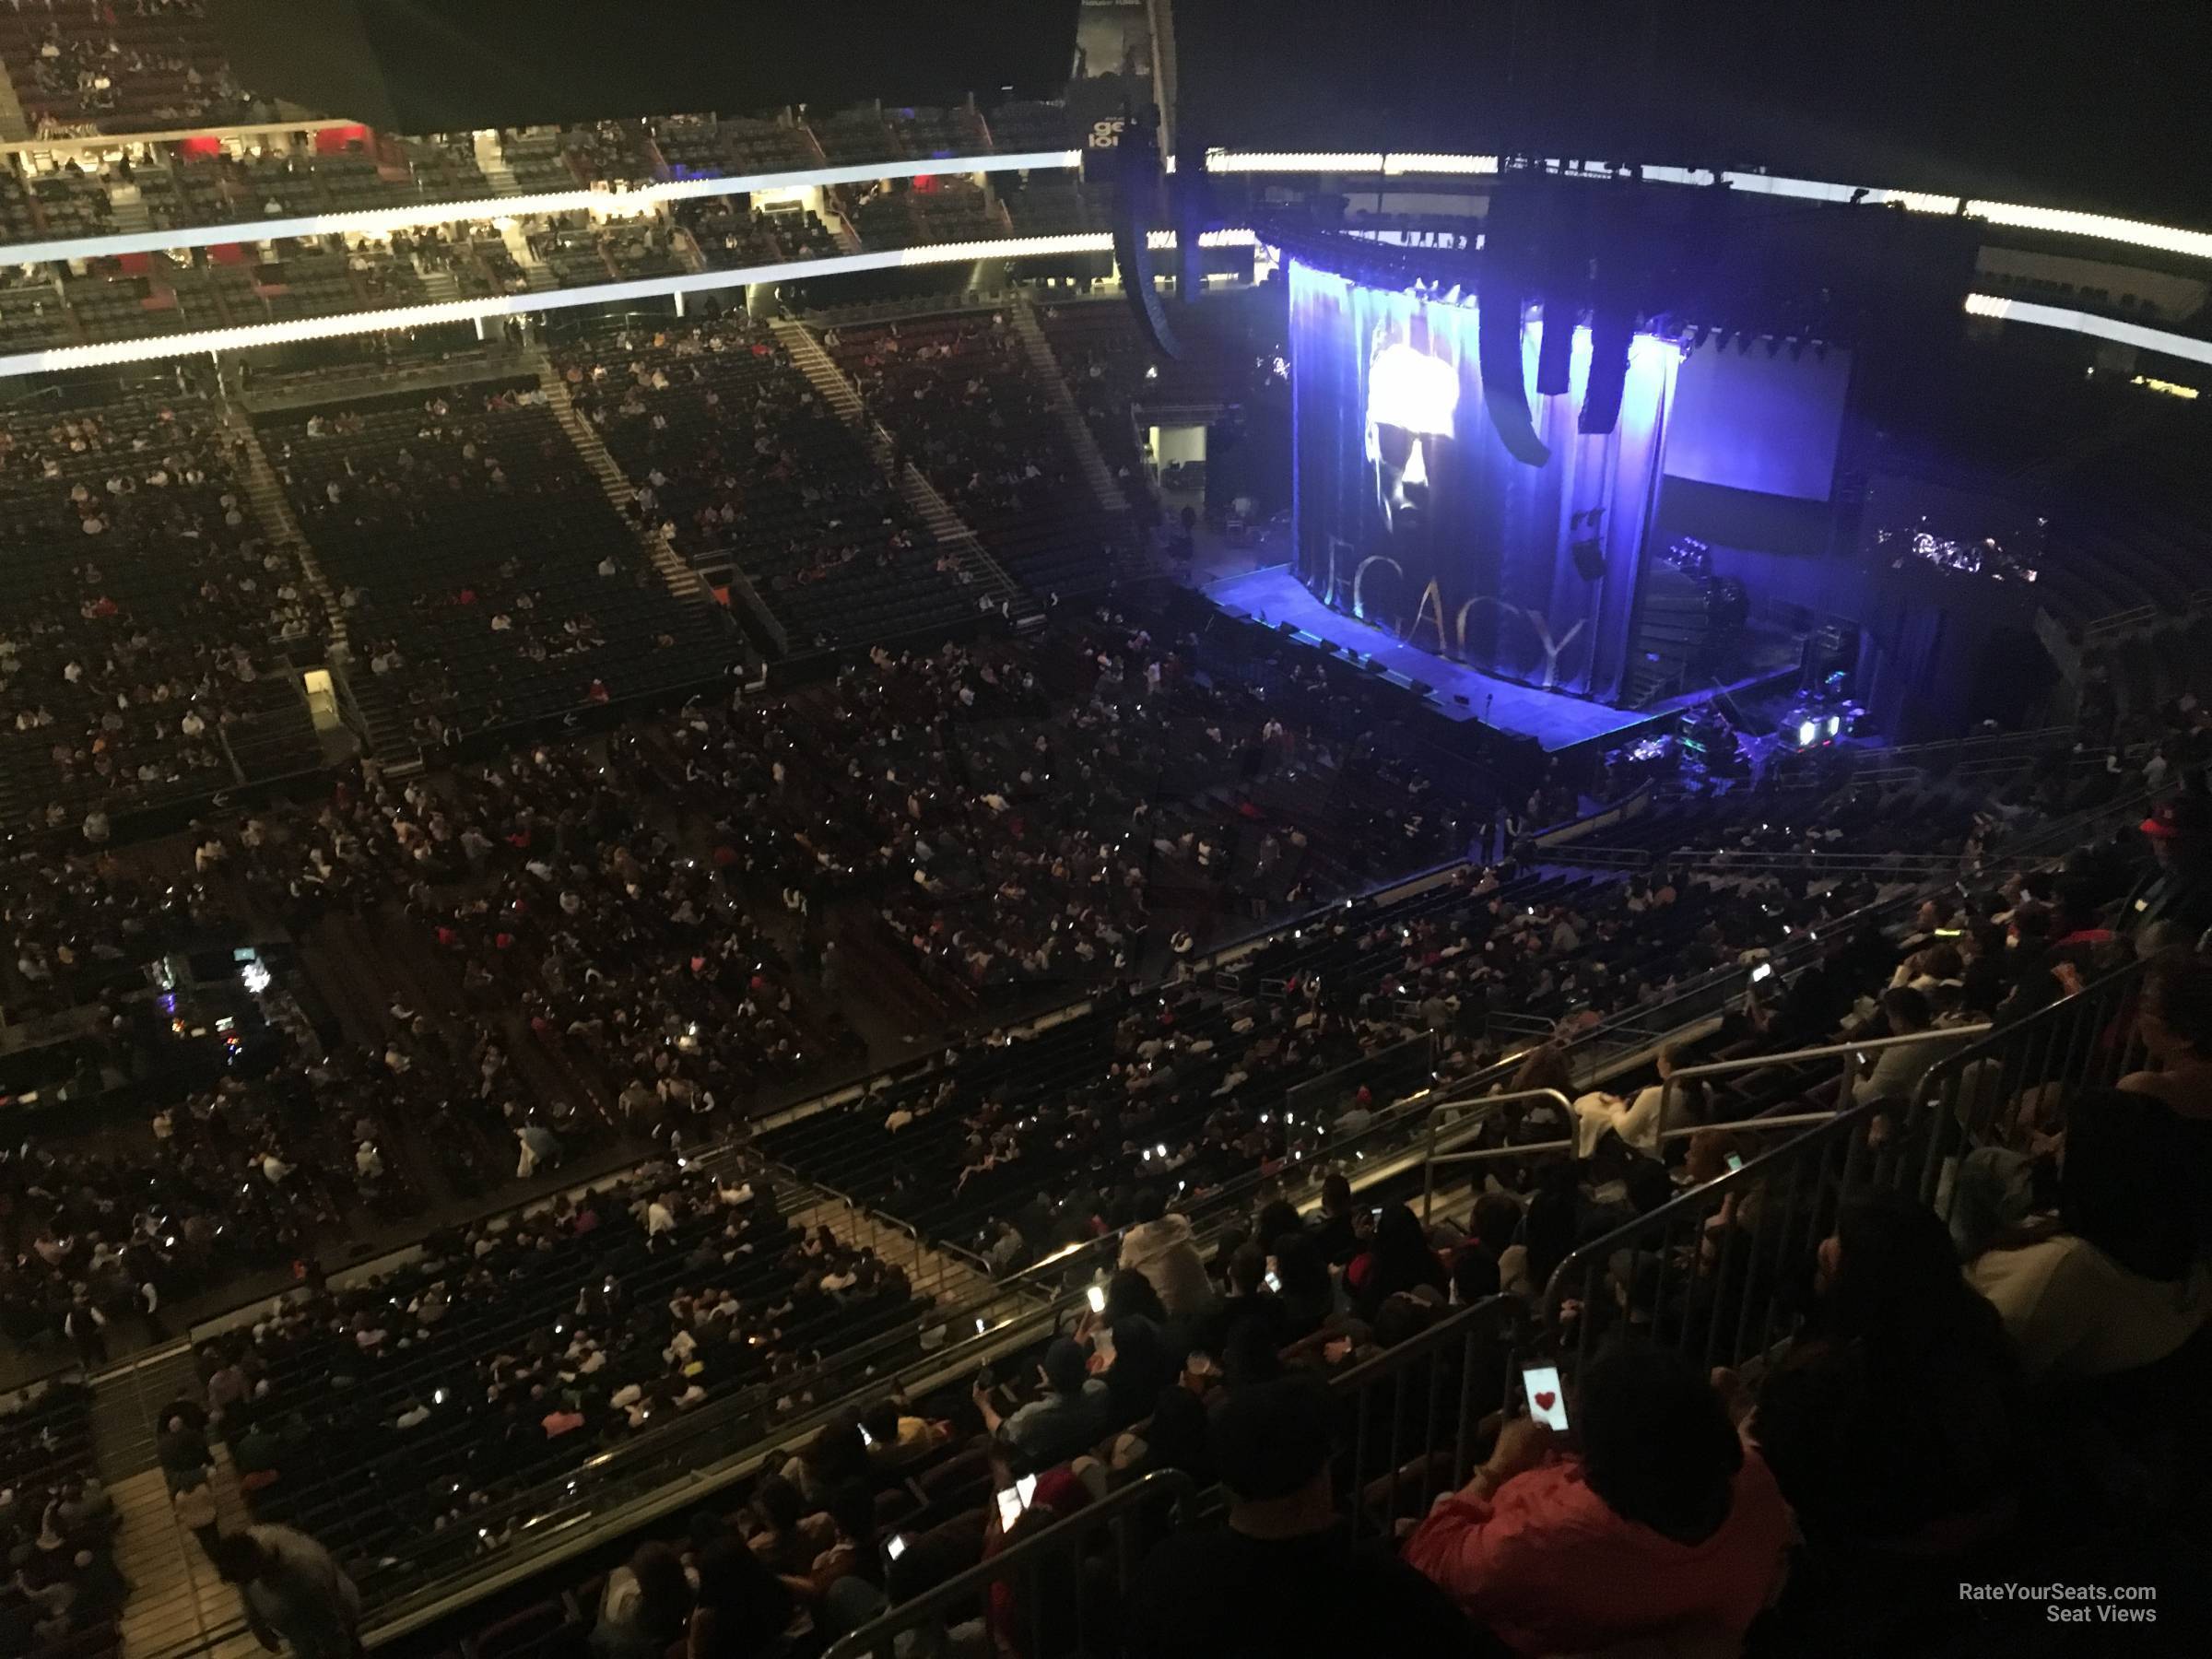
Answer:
(1556, 720)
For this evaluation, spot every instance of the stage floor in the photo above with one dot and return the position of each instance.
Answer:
(1556, 722)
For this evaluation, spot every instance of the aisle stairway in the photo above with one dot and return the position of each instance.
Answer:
(491, 161)
(681, 578)
(988, 578)
(177, 1602)
(1046, 366)
(127, 210)
(278, 522)
(13, 124)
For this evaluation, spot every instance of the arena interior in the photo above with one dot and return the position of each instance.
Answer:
(957, 878)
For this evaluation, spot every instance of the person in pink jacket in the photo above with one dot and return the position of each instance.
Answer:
(1666, 1524)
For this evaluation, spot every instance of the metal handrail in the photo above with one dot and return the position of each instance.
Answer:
(1113, 1511)
(1484, 1104)
(2090, 1007)
(1828, 1050)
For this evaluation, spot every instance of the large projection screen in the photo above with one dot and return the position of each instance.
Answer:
(1748, 419)
(1411, 514)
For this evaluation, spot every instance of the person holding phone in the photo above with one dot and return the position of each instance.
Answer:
(1065, 1419)
(1665, 1523)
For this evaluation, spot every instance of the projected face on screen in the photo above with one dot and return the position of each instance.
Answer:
(1412, 403)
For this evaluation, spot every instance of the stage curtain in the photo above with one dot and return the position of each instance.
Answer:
(1410, 511)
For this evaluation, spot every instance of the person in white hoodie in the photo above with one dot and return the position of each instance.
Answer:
(1159, 1245)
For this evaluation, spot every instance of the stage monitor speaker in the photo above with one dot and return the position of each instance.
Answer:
(1288, 628)
(1423, 688)
(1504, 380)
(1328, 648)
(1612, 330)
(1463, 700)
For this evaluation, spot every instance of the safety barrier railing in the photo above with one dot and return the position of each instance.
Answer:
(1411, 1427)
(1414, 1413)
(1482, 1106)
(1723, 1270)
(1065, 1583)
(1978, 1094)
(1671, 1090)
(1717, 1273)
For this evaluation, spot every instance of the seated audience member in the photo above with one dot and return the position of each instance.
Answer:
(1283, 1577)
(1160, 1246)
(783, 1536)
(1065, 1419)
(1476, 1271)
(1143, 1363)
(1335, 1227)
(1665, 1524)
(1548, 1232)
(843, 1586)
(1248, 1299)
(1897, 1070)
(645, 1607)
(742, 1610)
(1397, 1259)
(1895, 1421)
(1635, 1119)
(1310, 1296)
(894, 1440)
(2124, 1281)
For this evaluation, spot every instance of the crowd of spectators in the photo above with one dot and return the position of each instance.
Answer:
(1923, 1423)
(734, 456)
(479, 567)
(58, 1522)
(388, 1416)
(960, 400)
(121, 65)
(144, 604)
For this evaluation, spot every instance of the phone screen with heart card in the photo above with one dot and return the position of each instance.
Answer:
(1546, 1399)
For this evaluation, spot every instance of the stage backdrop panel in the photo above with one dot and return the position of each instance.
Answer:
(1746, 420)
(1410, 512)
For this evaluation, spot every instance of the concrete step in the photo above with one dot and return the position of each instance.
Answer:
(830, 382)
(681, 578)
(126, 1401)
(278, 522)
(491, 161)
(1045, 364)
(126, 209)
(13, 124)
